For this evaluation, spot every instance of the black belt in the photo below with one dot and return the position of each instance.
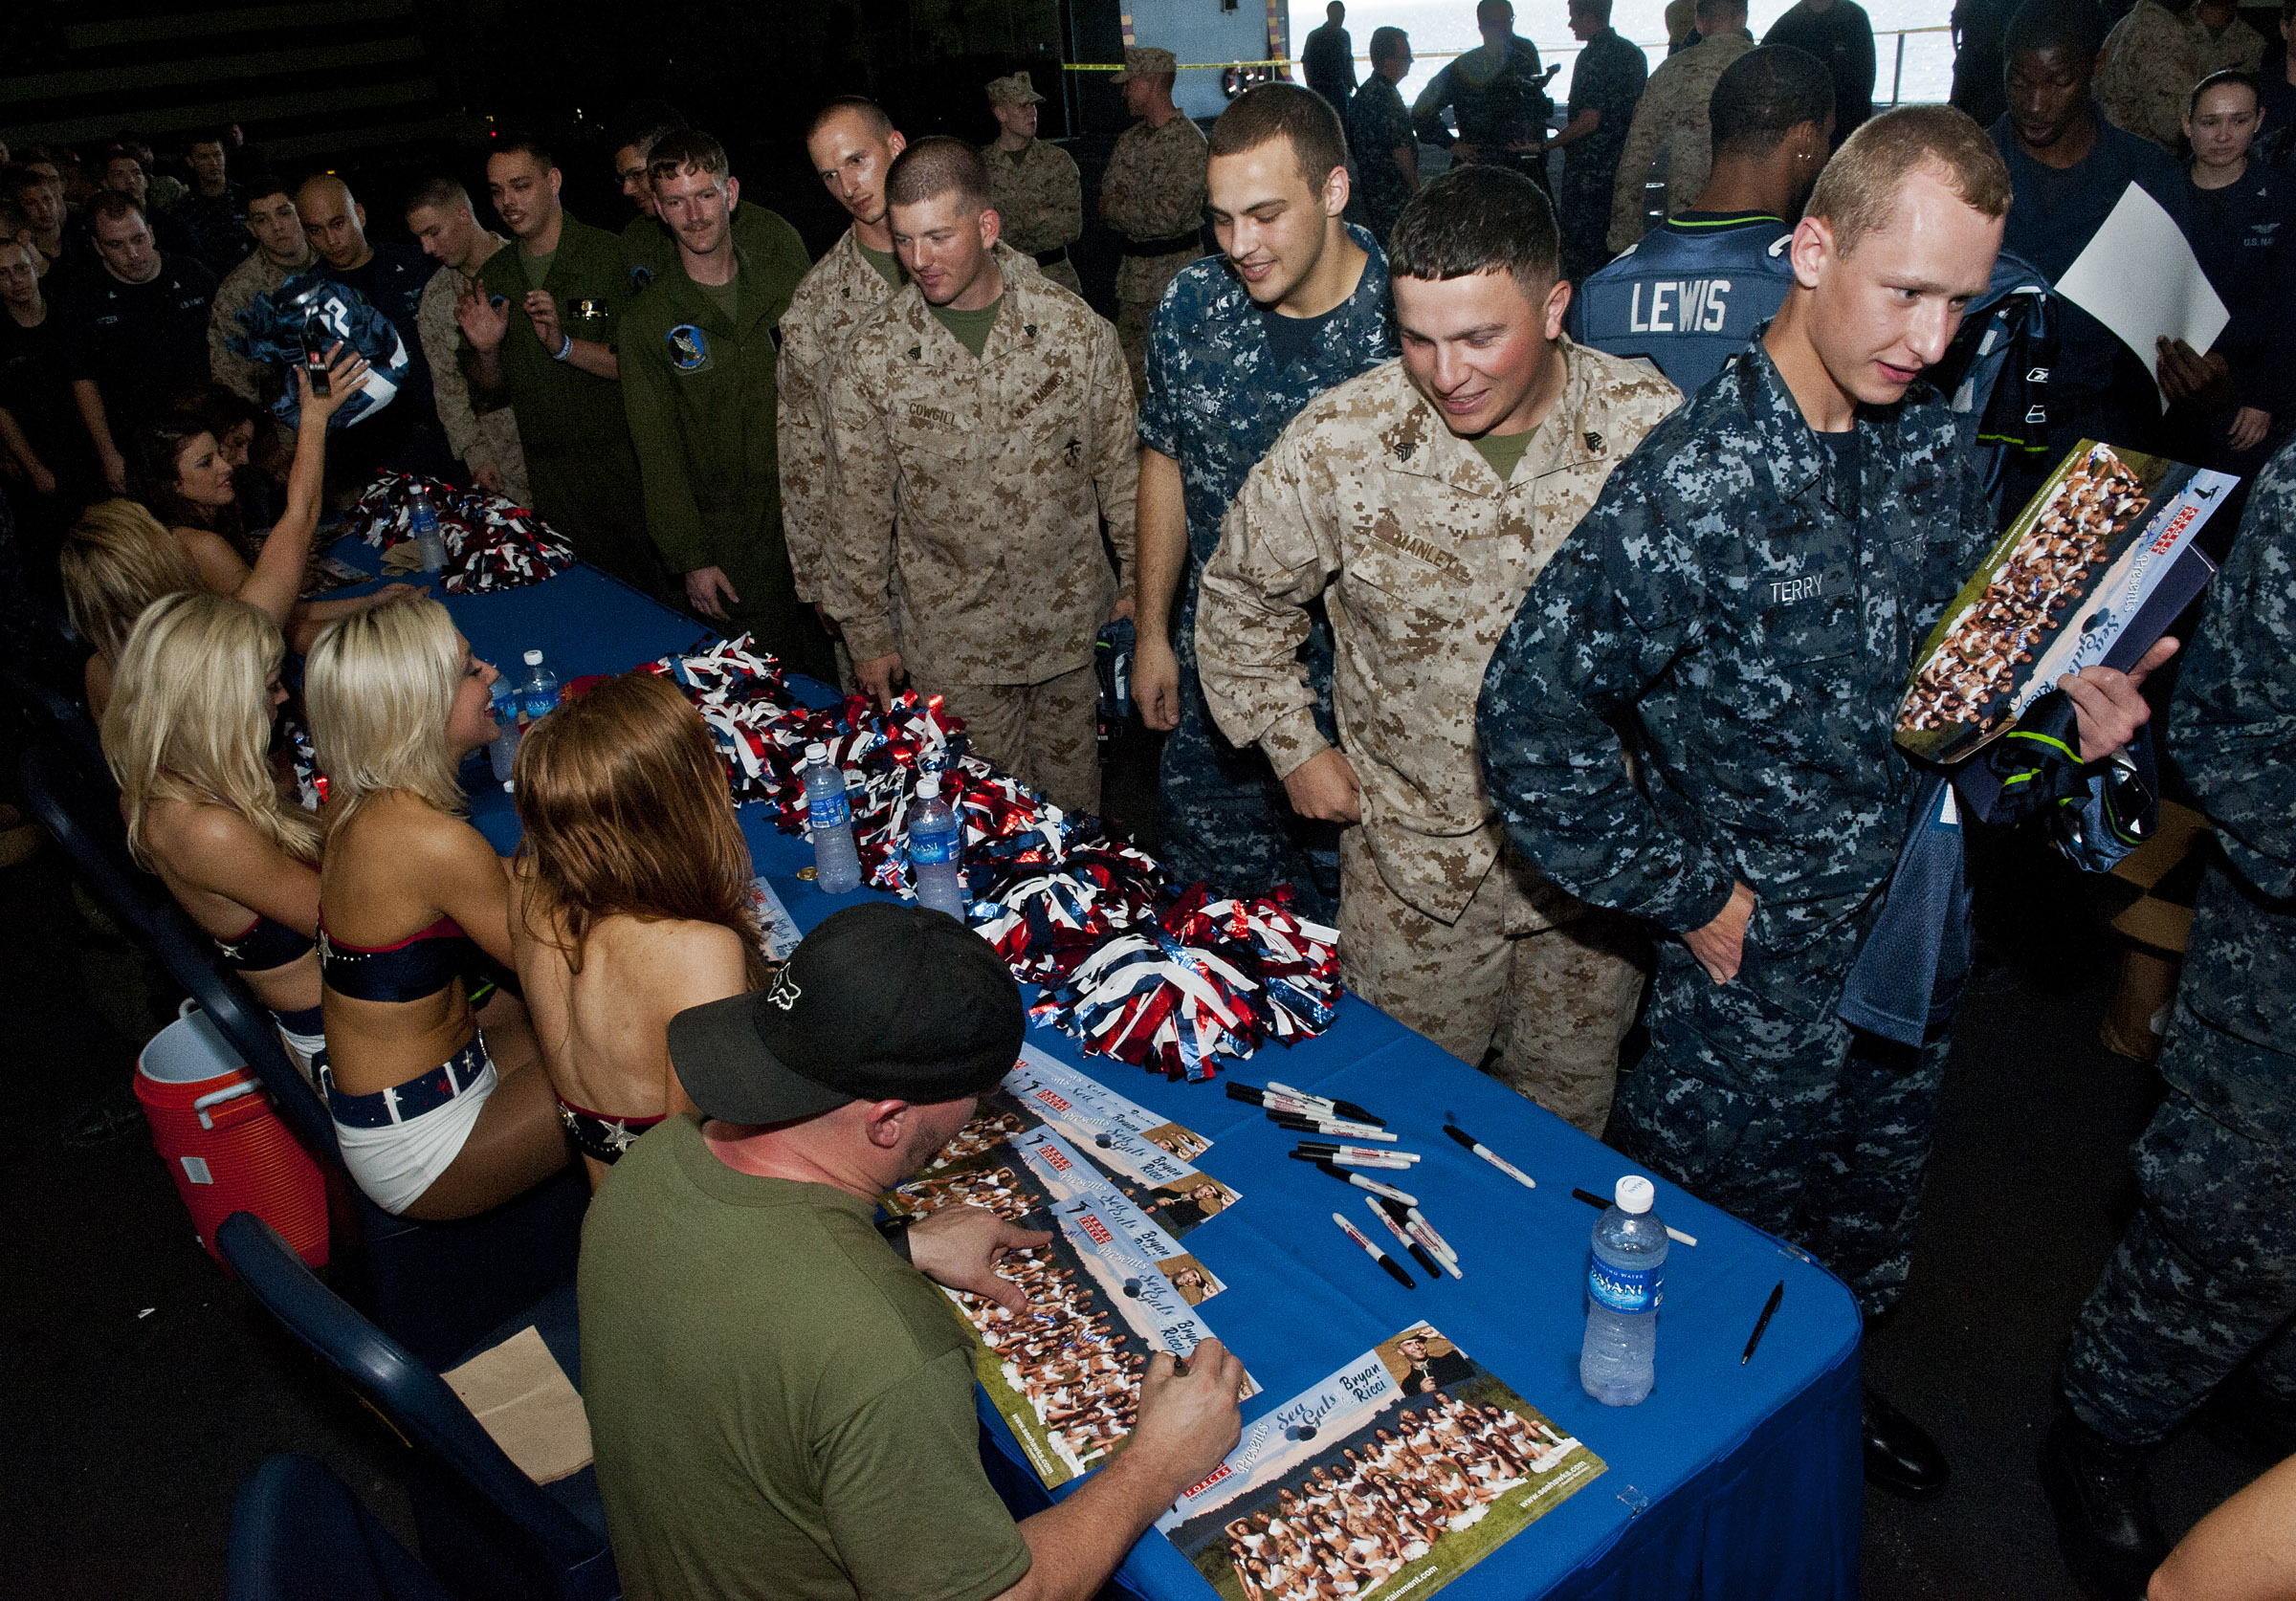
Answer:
(1160, 247)
(1053, 257)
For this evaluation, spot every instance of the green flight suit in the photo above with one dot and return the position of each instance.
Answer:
(772, 244)
(701, 399)
(578, 460)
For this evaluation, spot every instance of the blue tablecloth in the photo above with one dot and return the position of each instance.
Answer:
(1730, 1481)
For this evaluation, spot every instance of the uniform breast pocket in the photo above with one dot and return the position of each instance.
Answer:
(932, 456)
(1802, 597)
(1816, 628)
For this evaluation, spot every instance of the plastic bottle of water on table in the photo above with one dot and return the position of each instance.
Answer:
(829, 820)
(1618, 1364)
(429, 543)
(935, 851)
(504, 751)
(538, 690)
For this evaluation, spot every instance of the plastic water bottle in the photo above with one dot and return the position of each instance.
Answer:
(935, 851)
(504, 751)
(1617, 1365)
(424, 516)
(829, 820)
(538, 690)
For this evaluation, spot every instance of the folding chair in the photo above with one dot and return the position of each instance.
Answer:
(485, 1527)
(299, 1534)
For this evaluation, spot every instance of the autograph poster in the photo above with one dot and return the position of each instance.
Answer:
(1393, 1476)
(2091, 572)
(1113, 1287)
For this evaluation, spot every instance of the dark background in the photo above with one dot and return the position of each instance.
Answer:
(137, 1385)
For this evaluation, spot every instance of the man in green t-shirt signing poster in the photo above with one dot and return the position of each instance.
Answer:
(781, 1402)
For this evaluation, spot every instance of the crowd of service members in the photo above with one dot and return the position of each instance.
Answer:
(1392, 613)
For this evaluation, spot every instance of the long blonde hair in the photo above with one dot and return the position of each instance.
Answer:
(380, 685)
(116, 562)
(191, 718)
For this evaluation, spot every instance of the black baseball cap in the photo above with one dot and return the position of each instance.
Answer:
(883, 1002)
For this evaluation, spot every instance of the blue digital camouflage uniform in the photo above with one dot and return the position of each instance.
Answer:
(1378, 125)
(1609, 79)
(2205, 1276)
(1719, 592)
(1216, 401)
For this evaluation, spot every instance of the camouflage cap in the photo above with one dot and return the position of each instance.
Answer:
(1015, 90)
(1146, 59)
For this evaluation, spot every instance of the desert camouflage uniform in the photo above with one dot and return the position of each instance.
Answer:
(2205, 1277)
(479, 438)
(1154, 190)
(1039, 197)
(968, 496)
(1671, 117)
(2155, 55)
(250, 380)
(1217, 399)
(1766, 713)
(1422, 554)
(840, 293)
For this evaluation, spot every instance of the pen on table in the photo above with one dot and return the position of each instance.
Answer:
(1394, 1268)
(1328, 1159)
(1366, 1152)
(1345, 1109)
(1600, 1203)
(1422, 1230)
(1359, 1181)
(1762, 1322)
(1419, 1253)
(1277, 1098)
(1301, 1123)
(1490, 1155)
(1416, 1221)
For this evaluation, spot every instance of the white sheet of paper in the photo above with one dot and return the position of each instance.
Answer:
(2139, 277)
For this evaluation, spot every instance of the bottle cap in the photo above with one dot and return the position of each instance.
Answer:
(817, 752)
(1635, 1194)
(928, 787)
(533, 658)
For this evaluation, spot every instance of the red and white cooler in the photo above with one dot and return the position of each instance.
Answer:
(223, 1140)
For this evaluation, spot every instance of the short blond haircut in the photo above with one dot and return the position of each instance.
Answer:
(1857, 192)
(116, 562)
(380, 685)
(191, 718)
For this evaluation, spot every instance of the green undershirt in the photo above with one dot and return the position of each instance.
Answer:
(726, 297)
(887, 264)
(971, 327)
(538, 267)
(1503, 450)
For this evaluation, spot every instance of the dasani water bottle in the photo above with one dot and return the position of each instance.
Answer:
(935, 850)
(829, 820)
(429, 543)
(538, 690)
(1617, 1365)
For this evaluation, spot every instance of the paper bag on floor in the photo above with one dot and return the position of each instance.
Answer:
(522, 1397)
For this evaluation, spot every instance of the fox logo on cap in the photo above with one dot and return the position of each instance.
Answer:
(785, 991)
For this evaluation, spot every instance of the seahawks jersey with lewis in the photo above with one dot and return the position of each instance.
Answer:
(1689, 295)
